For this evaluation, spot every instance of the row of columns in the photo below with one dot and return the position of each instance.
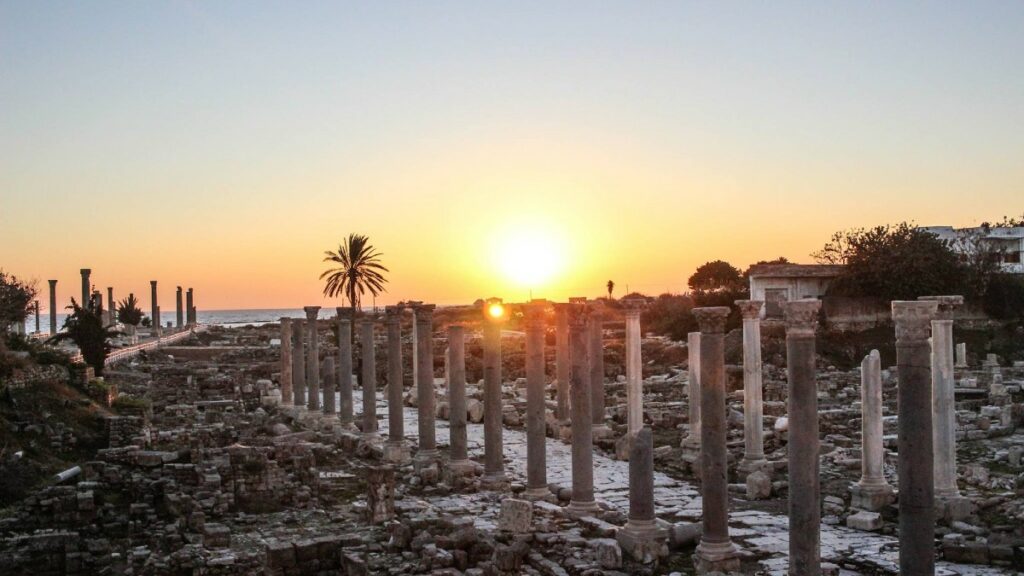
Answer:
(184, 316)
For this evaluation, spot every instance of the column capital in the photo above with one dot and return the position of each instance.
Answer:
(424, 313)
(711, 319)
(344, 313)
(913, 319)
(633, 306)
(494, 311)
(286, 321)
(577, 314)
(311, 312)
(534, 312)
(151, 282)
(750, 309)
(52, 283)
(393, 314)
(801, 316)
(947, 304)
(85, 271)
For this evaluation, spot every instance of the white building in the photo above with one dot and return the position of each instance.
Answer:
(1007, 244)
(777, 283)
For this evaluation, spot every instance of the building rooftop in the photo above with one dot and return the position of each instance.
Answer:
(795, 270)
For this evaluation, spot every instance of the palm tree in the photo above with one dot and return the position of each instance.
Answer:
(610, 286)
(358, 271)
(85, 328)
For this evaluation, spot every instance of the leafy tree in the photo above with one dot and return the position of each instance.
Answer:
(610, 286)
(1004, 297)
(85, 328)
(898, 262)
(358, 271)
(716, 276)
(16, 297)
(670, 315)
(128, 311)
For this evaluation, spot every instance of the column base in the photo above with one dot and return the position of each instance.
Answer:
(534, 494)
(749, 466)
(577, 509)
(461, 468)
(871, 497)
(599, 432)
(495, 482)
(565, 431)
(396, 451)
(716, 557)
(643, 540)
(427, 466)
(952, 508)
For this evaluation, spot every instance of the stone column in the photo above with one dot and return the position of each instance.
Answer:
(943, 405)
(189, 308)
(691, 443)
(345, 411)
(716, 552)
(395, 450)
(641, 538)
(596, 356)
(53, 307)
(582, 502)
(801, 318)
(87, 286)
(179, 312)
(286, 362)
(872, 492)
(298, 364)
(412, 304)
(313, 359)
(459, 463)
(961, 355)
(536, 427)
(369, 380)
(494, 459)
(111, 306)
(562, 362)
(916, 456)
(154, 308)
(634, 376)
(328, 380)
(37, 316)
(753, 406)
(427, 455)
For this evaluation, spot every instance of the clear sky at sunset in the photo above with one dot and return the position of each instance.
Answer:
(226, 145)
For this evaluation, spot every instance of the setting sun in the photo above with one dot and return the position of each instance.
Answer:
(529, 257)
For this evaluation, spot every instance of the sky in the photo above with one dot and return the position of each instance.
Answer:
(489, 149)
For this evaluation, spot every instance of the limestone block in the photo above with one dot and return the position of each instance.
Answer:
(759, 486)
(608, 552)
(864, 520)
(516, 515)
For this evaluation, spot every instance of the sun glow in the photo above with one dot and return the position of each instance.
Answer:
(530, 258)
(496, 310)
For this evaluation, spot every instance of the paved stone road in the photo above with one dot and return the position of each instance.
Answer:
(767, 534)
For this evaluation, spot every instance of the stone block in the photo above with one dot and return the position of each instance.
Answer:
(759, 486)
(608, 553)
(516, 515)
(864, 520)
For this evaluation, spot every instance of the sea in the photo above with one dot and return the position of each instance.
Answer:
(230, 318)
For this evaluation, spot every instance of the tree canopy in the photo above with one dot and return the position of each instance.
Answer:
(84, 326)
(16, 297)
(359, 270)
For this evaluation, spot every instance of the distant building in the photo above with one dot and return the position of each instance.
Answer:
(778, 283)
(1006, 244)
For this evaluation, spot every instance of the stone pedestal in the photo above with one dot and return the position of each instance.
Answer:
(380, 497)
(943, 405)
(459, 464)
(53, 307)
(916, 455)
(286, 362)
(313, 359)
(536, 456)
(642, 538)
(600, 429)
(395, 449)
(298, 363)
(427, 456)
(369, 380)
(562, 364)
(753, 406)
(872, 492)
(582, 502)
(716, 552)
(804, 488)
(494, 465)
(691, 442)
(344, 328)
(961, 355)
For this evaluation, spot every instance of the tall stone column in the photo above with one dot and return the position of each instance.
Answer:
(596, 356)
(87, 286)
(494, 458)
(345, 411)
(179, 312)
(916, 455)
(641, 537)
(412, 304)
(961, 355)
(189, 308)
(37, 316)
(634, 377)
(753, 405)
(716, 552)
(298, 363)
(313, 359)
(872, 492)
(369, 380)
(111, 306)
(582, 502)
(943, 405)
(287, 398)
(562, 362)
(395, 450)
(426, 455)
(155, 308)
(459, 463)
(328, 379)
(801, 318)
(53, 307)
(691, 443)
(536, 427)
